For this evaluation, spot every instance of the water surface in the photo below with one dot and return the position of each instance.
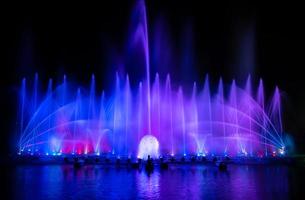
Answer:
(59, 182)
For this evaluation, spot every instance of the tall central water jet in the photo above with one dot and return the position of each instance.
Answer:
(141, 36)
(147, 67)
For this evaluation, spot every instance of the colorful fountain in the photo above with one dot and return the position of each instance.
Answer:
(154, 118)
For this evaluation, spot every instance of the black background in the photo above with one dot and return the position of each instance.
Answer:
(79, 40)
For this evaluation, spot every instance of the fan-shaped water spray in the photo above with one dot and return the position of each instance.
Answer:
(198, 123)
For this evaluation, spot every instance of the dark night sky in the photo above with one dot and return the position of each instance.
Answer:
(228, 40)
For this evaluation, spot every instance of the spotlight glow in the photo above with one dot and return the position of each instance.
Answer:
(149, 146)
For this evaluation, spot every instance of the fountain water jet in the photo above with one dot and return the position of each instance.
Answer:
(68, 120)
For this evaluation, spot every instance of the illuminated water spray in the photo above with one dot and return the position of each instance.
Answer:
(161, 118)
(141, 35)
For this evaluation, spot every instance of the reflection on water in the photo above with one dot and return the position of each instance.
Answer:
(179, 182)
